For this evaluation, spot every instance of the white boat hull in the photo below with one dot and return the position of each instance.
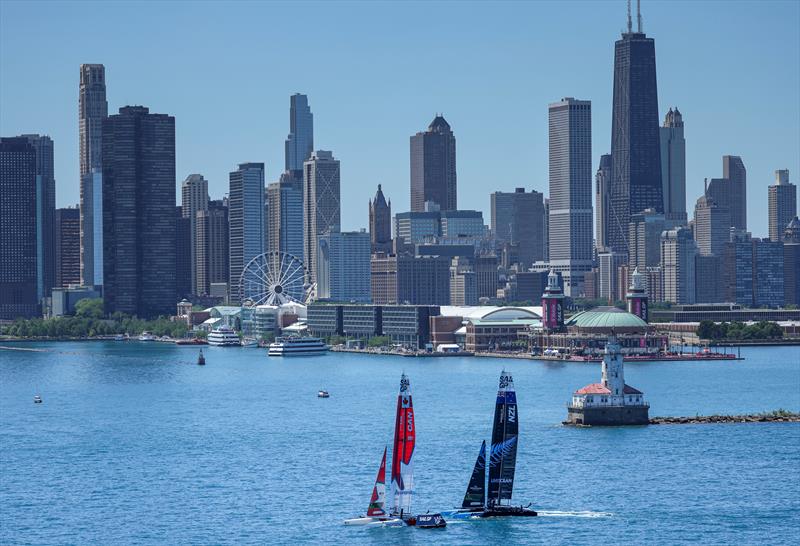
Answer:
(389, 521)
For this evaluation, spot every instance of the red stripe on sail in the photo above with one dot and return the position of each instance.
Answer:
(375, 508)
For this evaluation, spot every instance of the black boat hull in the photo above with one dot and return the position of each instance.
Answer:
(508, 511)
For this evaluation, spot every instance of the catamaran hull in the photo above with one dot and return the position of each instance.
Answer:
(508, 511)
(372, 521)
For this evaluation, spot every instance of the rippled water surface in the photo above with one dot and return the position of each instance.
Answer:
(135, 444)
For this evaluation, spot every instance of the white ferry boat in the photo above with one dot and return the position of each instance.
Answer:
(223, 337)
(296, 345)
(147, 336)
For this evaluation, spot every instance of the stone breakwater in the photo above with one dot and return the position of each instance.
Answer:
(774, 417)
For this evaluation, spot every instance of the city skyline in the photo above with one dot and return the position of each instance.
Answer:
(382, 157)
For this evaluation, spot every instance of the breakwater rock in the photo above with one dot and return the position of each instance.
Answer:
(780, 416)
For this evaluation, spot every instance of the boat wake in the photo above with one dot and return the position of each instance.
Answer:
(569, 514)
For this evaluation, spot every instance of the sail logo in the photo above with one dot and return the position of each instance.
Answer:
(501, 450)
(504, 381)
(512, 414)
(404, 384)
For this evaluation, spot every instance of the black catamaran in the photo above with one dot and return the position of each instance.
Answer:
(502, 461)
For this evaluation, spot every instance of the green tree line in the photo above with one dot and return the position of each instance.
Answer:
(737, 330)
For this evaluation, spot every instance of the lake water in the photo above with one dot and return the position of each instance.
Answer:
(136, 444)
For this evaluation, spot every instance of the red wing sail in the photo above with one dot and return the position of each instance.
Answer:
(379, 491)
(403, 449)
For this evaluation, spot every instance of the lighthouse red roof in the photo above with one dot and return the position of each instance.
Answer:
(594, 388)
(630, 390)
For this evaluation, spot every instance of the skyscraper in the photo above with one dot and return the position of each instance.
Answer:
(635, 149)
(730, 191)
(678, 251)
(212, 246)
(245, 220)
(518, 218)
(300, 142)
(380, 223)
(433, 167)
(343, 266)
(782, 204)
(139, 213)
(184, 265)
(673, 166)
(92, 110)
(19, 272)
(570, 131)
(321, 205)
(68, 246)
(45, 213)
(285, 217)
(194, 198)
(711, 226)
(602, 202)
(644, 239)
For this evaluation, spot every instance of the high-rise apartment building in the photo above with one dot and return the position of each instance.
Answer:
(300, 142)
(486, 275)
(380, 223)
(433, 167)
(518, 219)
(212, 246)
(194, 198)
(92, 111)
(285, 218)
(139, 237)
(709, 274)
(245, 220)
(19, 251)
(343, 266)
(602, 202)
(644, 240)
(673, 167)
(730, 191)
(711, 226)
(782, 203)
(68, 246)
(184, 263)
(463, 282)
(678, 252)
(791, 263)
(321, 203)
(570, 135)
(768, 273)
(635, 147)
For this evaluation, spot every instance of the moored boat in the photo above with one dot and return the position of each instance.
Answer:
(223, 337)
(249, 342)
(147, 336)
(191, 341)
(297, 345)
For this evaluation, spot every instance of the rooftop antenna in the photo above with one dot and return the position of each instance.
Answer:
(639, 15)
(630, 25)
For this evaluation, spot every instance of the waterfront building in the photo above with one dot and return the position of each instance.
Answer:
(711, 226)
(727, 312)
(602, 203)
(245, 220)
(194, 198)
(300, 142)
(730, 191)
(92, 111)
(68, 246)
(285, 216)
(635, 140)
(518, 218)
(486, 275)
(782, 204)
(709, 278)
(408, 325)
(791, 262)
(410, 279)
(611, 402)
(433, 167)
(183, 254)
(343, 266)
(380, 223)
(768, 273)
(570, 233)
(553, 305)
(673, 167)
(212, 247)
(64, 299)
(321, 204)
(19, 251)
(678, 251)
(139, 213)
(644, 239)
(463, 282)
(636, 298)
(738, 266)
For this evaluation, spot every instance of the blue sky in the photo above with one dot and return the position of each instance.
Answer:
(377, 72)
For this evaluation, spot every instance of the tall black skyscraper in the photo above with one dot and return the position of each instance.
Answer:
(300, 142)
(635, 148)
(45, 213)
(139, 213)
(19, 273)
(433, 167)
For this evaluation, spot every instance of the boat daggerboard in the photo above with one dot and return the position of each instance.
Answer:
(503, 452)
(475, 496)
(378, 499)
(403, 450)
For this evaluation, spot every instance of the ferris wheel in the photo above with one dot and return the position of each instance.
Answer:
(273, 278)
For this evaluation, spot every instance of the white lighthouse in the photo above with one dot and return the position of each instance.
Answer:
(614, 372)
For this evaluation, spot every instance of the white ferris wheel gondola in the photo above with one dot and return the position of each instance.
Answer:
(273, 278)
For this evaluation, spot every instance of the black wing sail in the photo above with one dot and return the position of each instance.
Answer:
(503, 453)
(475, 496)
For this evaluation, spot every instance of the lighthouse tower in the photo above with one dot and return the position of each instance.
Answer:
(637, 296)
(613, 375)
(553, 304)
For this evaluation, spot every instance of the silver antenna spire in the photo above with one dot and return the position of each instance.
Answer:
(630, 25)
(639, 16)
